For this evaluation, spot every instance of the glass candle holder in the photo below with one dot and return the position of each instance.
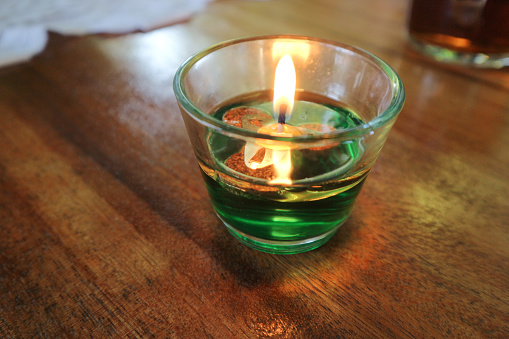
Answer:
(284, 182)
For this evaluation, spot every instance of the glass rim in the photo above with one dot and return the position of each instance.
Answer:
(391, 112)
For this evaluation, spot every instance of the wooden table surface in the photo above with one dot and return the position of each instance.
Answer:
(106, 229)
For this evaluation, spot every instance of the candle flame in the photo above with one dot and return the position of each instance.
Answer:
(278, 153)
(284, 96)
(284, 88)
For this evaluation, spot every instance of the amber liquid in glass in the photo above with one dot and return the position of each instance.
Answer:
(469, 26)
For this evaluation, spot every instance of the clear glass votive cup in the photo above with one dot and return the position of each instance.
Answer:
(286, 192)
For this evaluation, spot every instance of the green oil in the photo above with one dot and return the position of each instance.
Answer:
(296, 218)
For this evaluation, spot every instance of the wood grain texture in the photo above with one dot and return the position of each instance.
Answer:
(106, 229)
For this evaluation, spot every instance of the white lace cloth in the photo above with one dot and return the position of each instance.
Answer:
(24, 23)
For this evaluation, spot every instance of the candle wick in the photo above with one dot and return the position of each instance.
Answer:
(282, 114)
(281, 118)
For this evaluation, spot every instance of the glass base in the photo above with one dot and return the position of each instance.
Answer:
(281, 247)
(445, 55)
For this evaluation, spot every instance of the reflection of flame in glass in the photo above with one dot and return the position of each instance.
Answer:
(283, 164)
(299, 50)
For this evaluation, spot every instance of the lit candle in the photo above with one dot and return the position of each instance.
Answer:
(278, 153)
(284, 162)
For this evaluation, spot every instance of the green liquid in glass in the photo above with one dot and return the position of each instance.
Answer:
(288, 219)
